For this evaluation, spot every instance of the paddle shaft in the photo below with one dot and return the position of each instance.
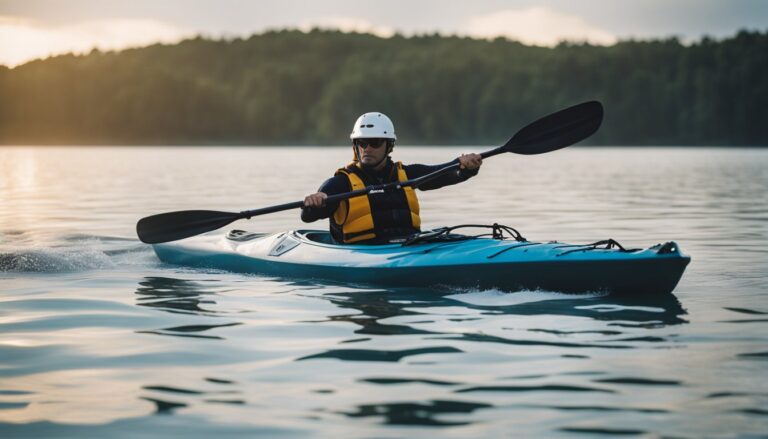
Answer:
(414, 182)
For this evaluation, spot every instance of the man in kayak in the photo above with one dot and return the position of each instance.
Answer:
(379, 217)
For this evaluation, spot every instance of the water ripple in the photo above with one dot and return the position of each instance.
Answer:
(379, 355)
(541, 388)
(418, 413)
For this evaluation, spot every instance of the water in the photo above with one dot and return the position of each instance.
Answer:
(98, 338)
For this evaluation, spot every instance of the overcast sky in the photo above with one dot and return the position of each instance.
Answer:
(37, 28)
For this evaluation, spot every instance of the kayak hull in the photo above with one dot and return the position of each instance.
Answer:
(481, 263)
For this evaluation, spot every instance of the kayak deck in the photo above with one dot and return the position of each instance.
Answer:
(484, 263)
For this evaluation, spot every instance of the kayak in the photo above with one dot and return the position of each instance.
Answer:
(440, 258)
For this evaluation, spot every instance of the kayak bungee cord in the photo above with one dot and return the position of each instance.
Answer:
(444, 234)
(609, 244)
(525, 244)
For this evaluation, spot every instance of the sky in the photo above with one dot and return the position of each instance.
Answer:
(31, 29)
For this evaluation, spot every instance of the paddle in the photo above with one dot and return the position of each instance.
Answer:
(550, 133)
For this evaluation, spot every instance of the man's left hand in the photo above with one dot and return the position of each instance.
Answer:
(470, 161)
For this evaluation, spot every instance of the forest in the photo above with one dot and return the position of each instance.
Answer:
(290, 87)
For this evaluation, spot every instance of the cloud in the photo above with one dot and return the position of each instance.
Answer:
(22, 40)
(346, 24)
(536, 25)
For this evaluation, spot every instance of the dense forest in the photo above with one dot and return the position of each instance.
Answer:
(291, 87)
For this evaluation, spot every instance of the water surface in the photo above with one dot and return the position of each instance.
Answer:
(98, 338)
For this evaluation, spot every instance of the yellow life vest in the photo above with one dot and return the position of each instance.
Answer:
(356, 218)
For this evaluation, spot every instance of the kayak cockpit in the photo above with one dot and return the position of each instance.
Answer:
(318, 236)
(442, 234)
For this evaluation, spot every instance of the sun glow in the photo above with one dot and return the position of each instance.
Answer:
(22, 40)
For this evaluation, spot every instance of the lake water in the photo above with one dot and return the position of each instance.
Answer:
(100, 339)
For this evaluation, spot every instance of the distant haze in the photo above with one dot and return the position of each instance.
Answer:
(32, 29)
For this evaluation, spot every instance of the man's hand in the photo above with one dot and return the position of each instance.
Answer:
(470, 161)
(315, 200)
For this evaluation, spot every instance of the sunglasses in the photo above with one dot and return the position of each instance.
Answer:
(372, 143)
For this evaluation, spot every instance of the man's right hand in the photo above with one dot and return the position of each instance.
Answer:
(315, 200)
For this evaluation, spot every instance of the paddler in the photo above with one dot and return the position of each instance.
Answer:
(378, 217)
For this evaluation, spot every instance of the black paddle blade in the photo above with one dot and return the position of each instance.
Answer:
(557, 130)
(171, 226)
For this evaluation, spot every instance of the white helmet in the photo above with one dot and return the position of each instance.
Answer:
(373, 125)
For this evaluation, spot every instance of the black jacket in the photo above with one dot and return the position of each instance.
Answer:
(340, 183)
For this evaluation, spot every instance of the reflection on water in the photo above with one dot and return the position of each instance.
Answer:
(418, 414)
(175, 295)
(180, 296)
(432, 320)
(377, 306)
(166, 406)
(379, 355)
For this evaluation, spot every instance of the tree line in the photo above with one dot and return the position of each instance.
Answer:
(292, 87)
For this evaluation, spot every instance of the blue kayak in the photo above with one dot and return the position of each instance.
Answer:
(441, 258)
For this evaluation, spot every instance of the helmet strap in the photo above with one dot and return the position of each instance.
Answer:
(390, 146)
(355, 152)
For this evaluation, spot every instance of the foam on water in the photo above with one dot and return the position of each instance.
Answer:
(502, 298)
(615, 308)
(70, 254)
(53, 260)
